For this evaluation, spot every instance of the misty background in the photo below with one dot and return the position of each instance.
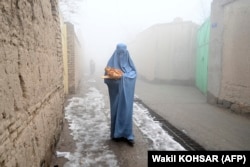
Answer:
(100, 24)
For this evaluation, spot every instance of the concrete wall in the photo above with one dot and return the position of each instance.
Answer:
(31, 82)
(229, 65)
(166, 52)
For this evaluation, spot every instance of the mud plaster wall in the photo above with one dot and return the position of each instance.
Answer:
(31, 82)
(65, 57)
(71, 57)
(166, 52)
(75, 59)
(233, 20)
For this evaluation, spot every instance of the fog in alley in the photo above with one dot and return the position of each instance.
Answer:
(100, 25)
(68, 84)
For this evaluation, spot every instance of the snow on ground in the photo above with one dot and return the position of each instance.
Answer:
(159, 138)
(90, 125)
(90, 128)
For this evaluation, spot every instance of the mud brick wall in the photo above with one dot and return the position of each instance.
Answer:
(75, 59)
(31, 82)
(71, 57)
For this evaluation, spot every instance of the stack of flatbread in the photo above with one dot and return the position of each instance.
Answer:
(112, 73)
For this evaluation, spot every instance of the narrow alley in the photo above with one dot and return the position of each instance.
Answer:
(88, 117)
(184, 85)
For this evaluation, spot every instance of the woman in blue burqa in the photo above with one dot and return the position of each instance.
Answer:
(121, 95)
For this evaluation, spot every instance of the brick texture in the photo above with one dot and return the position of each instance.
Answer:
(75, 59)
(31, 82)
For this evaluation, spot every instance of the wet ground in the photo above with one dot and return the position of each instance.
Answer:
(85, 137)
(186, 109)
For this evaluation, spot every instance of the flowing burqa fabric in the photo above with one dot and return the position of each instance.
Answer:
(121, 94)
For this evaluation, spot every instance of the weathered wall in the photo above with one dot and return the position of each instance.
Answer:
(167, 52)
(231, 32)
(79, 67)
(31, 82)
(71, 57)
(75, 59)
(65, 58)
(142, 50)
(215, 51)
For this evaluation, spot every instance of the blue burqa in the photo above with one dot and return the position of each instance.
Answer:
(121, 94)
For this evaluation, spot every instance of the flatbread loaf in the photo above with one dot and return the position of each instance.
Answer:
(113, 73)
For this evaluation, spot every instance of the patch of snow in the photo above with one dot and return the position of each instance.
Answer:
(62, 154)
(152, 129)
(89, 122)
(90, 129)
